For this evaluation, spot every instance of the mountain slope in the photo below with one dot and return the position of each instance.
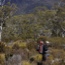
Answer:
(26, 6)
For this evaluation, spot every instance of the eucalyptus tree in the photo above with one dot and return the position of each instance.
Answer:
(6, 11)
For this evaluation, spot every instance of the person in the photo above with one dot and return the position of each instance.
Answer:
(42, 48)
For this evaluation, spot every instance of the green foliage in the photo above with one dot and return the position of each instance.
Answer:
(24, 28)
(15, 46)
(57, 42)
(7, 10)
(19, 44)
(2, 59)
(2, 47)
(37, 57)
(29, 26)
(43, 38)
(26, 63)
(31, 45)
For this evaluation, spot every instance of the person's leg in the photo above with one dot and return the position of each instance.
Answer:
(43, 59)
(42, 62)
(39, 63)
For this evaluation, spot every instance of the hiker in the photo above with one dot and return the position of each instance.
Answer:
(42, 48)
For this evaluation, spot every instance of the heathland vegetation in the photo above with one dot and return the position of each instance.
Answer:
(21, 32)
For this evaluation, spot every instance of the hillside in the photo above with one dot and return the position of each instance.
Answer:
(27, 6)
(36, 29)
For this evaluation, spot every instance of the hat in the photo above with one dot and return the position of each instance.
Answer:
(47, 42)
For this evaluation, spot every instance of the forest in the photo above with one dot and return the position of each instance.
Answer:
(20, 33)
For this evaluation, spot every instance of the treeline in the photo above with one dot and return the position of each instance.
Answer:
(29, 26)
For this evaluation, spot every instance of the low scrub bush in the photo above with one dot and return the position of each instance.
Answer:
(2, 47)
(2, 59)
(37, 57)
(57, 42)
(31, 45)
(26, 63)
(19, 44)
(43, 38)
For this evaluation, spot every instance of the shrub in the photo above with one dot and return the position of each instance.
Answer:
(57, 42)
(31, 45)
(2, 59)
(37, 57)
(26, 63)
(43, 38)
(8, 52)
(19, 44)
(2, 47)
(15, 46)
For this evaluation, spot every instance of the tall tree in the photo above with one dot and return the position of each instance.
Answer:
(6, 12)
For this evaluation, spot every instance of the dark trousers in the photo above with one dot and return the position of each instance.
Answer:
(39, 63)
(43, 59)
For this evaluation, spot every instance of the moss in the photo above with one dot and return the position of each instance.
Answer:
(26, 63)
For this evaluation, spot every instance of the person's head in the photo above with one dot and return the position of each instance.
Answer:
(41, 42)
